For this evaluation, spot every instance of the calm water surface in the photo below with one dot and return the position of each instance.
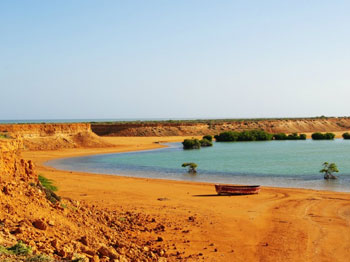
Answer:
(270, 163)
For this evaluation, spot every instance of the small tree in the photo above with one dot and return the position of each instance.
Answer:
(191, 167)
(328, 169)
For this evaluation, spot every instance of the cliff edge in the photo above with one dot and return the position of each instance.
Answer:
(53, 136)
(213, 127)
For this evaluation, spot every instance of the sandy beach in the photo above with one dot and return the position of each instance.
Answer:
(278, 224)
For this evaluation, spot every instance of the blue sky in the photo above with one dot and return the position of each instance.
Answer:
(174, 59)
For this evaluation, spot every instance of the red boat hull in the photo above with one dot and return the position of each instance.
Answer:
(236, 190)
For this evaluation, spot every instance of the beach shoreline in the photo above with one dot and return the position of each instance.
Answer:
(280, 223)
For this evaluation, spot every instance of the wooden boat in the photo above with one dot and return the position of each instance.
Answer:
(236, 190)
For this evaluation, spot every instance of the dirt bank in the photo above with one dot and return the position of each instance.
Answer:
(53, 136)
(187, 128)
(276, 225)
(83, 135)
(69, 228)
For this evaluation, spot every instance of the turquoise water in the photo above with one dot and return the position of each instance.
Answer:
(270, 163)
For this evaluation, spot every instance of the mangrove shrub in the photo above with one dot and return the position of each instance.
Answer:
(346, 135)
(328, 169)
(228, 136)
(294, 136)
(205, 142)
(320, 136)
(191, 144)
(252, 135)
(302, 136)
(208, 137)
(191, 167)
(280, 136)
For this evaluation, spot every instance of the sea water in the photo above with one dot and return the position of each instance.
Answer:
(268, 163)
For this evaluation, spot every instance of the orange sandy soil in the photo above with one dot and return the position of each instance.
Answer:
(278, 224)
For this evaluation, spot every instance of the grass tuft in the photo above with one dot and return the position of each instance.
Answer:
(48, 187)
(47, 183)
(20, 249)
(6, 136)
(4, 251)
(39, 258)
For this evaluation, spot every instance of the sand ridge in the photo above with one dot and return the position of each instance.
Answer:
(279, 224)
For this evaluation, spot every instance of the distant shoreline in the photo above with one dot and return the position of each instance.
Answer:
(157, 120)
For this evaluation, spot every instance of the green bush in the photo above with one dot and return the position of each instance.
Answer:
(4, 251)
(47, 183)
(330, 136)
(20, 249)
(191, 144)
(205, 142)
(294, 136)
(317, 136)
(228, 136)
(48, 187)
(39, 258)
(280, 136)
(4, 135)
(320, 136)
(191, 167)
(260, 135)
(208, 137)
(302, 136)
(346, 135)
(252, 135)
(245, 136)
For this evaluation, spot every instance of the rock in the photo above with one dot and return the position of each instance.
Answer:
(123, 259)
(51, 223)
(54, 243)
(66, 251)
(108, 252)
(84, 240)
(88, 251)
(62, 253)
(6, 190)
(18, 230)
(162, 199)
(159, 239)
(80, 257)
(95, 258)
(146, 249)
(162, 259)
(40, 224)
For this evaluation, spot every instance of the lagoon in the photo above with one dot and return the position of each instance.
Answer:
(269, 163)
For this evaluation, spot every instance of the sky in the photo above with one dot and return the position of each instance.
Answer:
(64, 59)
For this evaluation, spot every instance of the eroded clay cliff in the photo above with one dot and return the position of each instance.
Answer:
(53, 136)
(214, 127)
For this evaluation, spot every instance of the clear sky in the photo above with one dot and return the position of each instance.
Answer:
(174, 59)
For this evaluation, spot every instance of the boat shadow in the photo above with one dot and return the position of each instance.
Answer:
(217, 195)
